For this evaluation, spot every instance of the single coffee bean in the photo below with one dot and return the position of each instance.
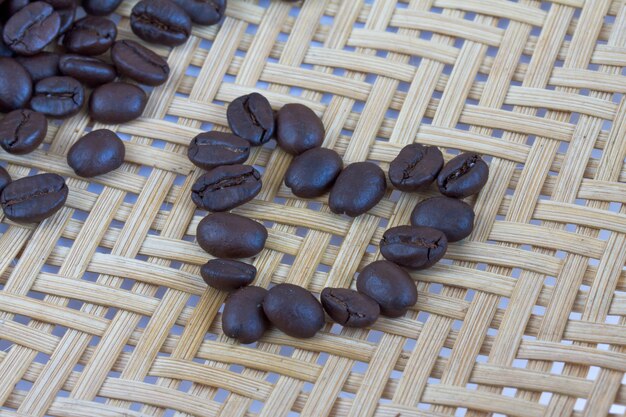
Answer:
(59, 97)
(96, 153)
(211, 149)
(160, 21)
(33, 199)
(16, 86)
(100, 7)
(5, 179)
(135, 61)
(453, 217)
(313, 173)
(40, 66)
(227, 235)
(243, 317)
(227, 274)
(298, 129)
(389, 285)
(358, 189)
(5, 51)
(117, 103)
(67, 15)
(226, 187)
(413, 247)
(252, 118)
(29, 30)
(415, 167)
(203, 12)
(90, 35)
(87, 69)
(22, 131)
(463, 176)
(294, 310)
(350, 308)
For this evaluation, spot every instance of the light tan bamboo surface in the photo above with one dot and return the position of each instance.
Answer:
(103, 312)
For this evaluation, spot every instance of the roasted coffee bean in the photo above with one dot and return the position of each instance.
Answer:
(116, 103)
(227, 235)
(226, 187)
(96, 153)
(463, 176)
(294, 310)
(415, 167)
(87, 69)
(40, 66)
(100, 7)
(22, 131)
(414, 247)
(33, 199)
(90, 35)
(5, 179)
(389, 285)
(227, 274)
(135, 61)
(358, 189)
(243, 317)
(313, 173)
(203, 12)
(298, 129)
(252, 118)
(212, 149)
(5, 51)
(160, 21)
(29, 30)
(58, 97)
(453, 217)
(16, 86)
(349, 308)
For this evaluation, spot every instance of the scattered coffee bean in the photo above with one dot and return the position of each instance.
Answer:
(453, 217)
(389, 285)
(16, 86)
(350, 308)
(5, 179)
(87, 69)
(313, 173)
(252, 118)
(243, 317)
(358, 189)
(226, 187)
(116, 103)
(415, 167)
(96, 153)
(464, 175)
(22, 131)
(298, 129)
(33, 199)
(58, 97)
(29, 30)
(211, 149)
(203, 12)
(227, 235)
(413, 247)
(100, 7)
(135, 61)
(160, 21)
(90, 35)
(40, 66)
(227, 274)
(294, 310)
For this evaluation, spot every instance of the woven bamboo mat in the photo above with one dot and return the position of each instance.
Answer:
(102, 311)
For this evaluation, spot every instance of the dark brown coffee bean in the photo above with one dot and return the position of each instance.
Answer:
(5, 179)
(243, 317)
(40, 66)
(90, 35)
(211, 149)
(33, 199)
(390, 286)
(415, 167)
(96, 153)
(227, 235)
(59, 97)
(135, 61)
(252, 118)
(160, 21)
(227, 274)
(87, 69)
(413, 247)
(463, 176)
(349, 308)
(100, 7)
(203, 12)
(16, 86)
(29, 30)
(226, 187)
(294, 310)
(313, 173)
(22, 131)
(453, 217)
(358, 189)
(298, 129)
(116, 103)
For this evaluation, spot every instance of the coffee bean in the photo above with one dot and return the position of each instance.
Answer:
(463, 176)
(135, 61)
(227, 274)
(389, 285)
(294, 310)
(100, 7)
(87, 69)
(33, 199)
(22, 131)
(413, 247)
(90, 35)
(252, 118)
(227, 235)
(96, 153)
(226, 187)
(116, 103)
(350, 308)
(160, 21)
(16, 86)
(59, 97)
(29, 30)
(212, 149)
(298, 129)
(5, 51)
(358, 189)
(5, 179)
(313, 173)
(203, 12)
(40, 66)
(415, 167)
(243, 317)
(453, 217)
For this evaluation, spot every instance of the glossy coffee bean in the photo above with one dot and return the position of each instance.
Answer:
(349, 308)
(313, 173)
(251, 117)
(390, 286)
(453, 217)
(33, 199)
(59, 97)
(160, 21)
(243, 317)
(227, 235)
(22, 131)
(226, 187)
(16, 86)
(298, 129)
(211, 149)
(90, 35)
(358, 189)
(96, 153)
(40, 66)
(100, 7)
(29, 30)
(87, 69)
(5, 179)
(415, 167)
(116, 103)
(227, 274)
(135, 61)
(294, 310)
(203, 12)
(463, 176)
(414, 247)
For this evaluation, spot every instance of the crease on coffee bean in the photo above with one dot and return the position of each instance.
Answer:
(153, 21)
(24, 120)
(224, 146)
(37, 194)
(351, 314)
(255, 121)
(22, 34)
(408, 170)
(459, 172)
(409, 240)
(228, 182)
(163, 67)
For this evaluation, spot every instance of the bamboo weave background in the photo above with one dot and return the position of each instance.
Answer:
(102, 311)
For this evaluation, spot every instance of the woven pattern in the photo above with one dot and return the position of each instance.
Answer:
(103, 313)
